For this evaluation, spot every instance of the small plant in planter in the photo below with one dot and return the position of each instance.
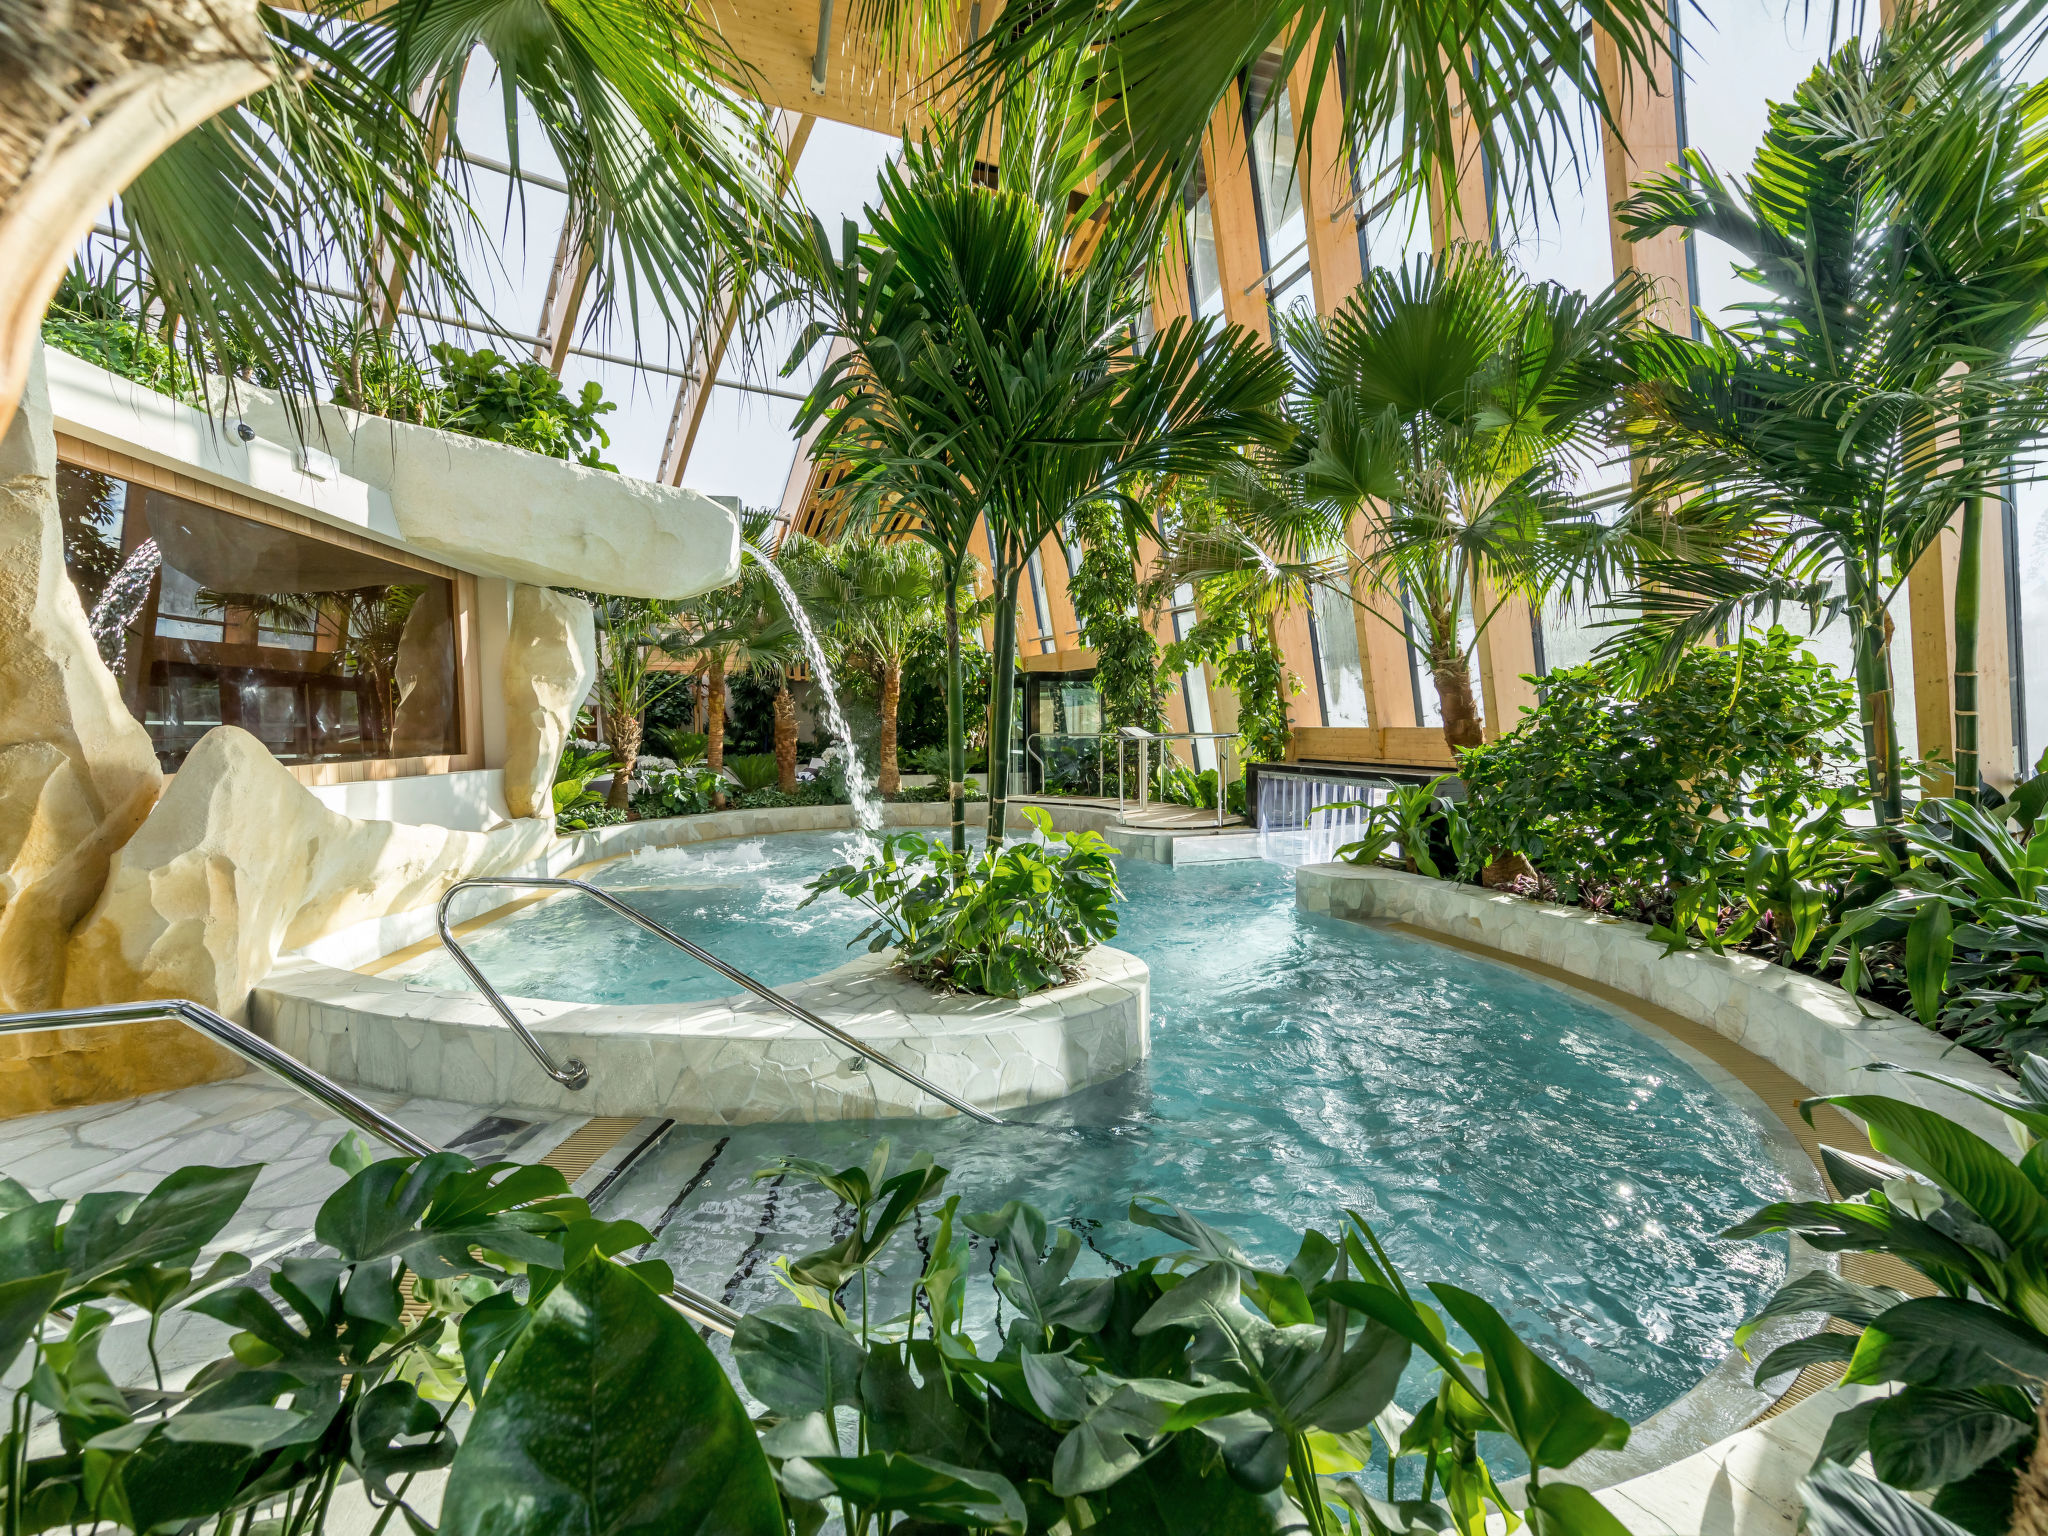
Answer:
(1008, 921)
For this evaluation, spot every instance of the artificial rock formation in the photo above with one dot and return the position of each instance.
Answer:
(550, 663)
(77, 771)
(240, 862)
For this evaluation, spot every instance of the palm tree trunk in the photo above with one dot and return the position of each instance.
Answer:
(1867, 620)
(956, 721)
(1453, 676)
(1969, 600)
(626, 732)
(888, 778)
(785, 740)
(714, 723)
(1002, 703)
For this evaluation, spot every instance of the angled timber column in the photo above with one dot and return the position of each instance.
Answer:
(393, 261)
(1388, 666)
(1234, 215)
(568, 280)
(1931, 607)
(714, 331)
(1652, 136)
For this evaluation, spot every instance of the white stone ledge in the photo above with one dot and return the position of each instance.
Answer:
(1809, 1029)
(732, 1061)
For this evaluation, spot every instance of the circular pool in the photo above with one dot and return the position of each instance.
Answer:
(1511, 1134)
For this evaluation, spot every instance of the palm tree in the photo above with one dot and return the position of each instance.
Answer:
(1252, 547)
(1818, 446)
(630, 679)
(1968, 156)
(1450, 402)
(283, 221)
(993, 371)
(875, 596)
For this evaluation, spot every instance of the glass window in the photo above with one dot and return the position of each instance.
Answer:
(322, 652)
(1283, 226)
(1429, 708)
(1740, 56)
(1194, 681)
(1337, 649)
(1205, 279)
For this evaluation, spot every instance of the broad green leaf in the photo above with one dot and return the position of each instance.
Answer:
(1930, 941)
(1954, 1159)
(1796, 1354)
(108, 1233)
(926, 1490)
(797, 1360)
(1551, 1419)
(610, 1415)
(907, 1412)
(1942, 1341)
(24, 1303)
(1928, 1436)
(1564, 1509)
(1820, 1290)
(1841, 1503)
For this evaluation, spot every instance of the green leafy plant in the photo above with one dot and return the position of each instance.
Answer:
(1194, 1390)
(1007, 921)
(350, 1361)
(752, 770)
(489, 396)
(1968, 1362)
(1786, 874)
(1616, 799)
(1416, 818)
(89, 319)
(684, 748)
(574, 771)
(1966, 922)
(676, 792)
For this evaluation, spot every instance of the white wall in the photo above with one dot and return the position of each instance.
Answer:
(469, 802)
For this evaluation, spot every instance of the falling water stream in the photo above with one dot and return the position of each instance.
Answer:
(867, 813)
(122, 600)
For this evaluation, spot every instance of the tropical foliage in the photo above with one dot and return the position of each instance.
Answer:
(987, 375)
(1007, 921)
(1449, 405)
(1619, 801)
(1807, 455)
(1964, 1362)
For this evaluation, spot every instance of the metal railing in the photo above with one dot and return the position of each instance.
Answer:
(1033, 755)
(706, 1311)
(572, 1074)
(1144, 739)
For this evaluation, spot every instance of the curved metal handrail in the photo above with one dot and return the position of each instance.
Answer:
(254, 1049)
(575, 1069)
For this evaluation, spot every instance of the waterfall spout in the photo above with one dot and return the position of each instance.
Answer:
(867, 812)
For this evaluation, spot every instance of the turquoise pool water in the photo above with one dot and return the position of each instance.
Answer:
(1499, 1130)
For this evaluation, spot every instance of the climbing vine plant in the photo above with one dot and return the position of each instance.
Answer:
(1128, 673)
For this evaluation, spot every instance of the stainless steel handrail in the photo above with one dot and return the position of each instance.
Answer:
(1144, 738)
(253, 1048)
(1031, 754)
(767, 994)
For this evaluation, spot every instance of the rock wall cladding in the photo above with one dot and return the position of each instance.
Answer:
(550, 663)
(240, 862)
(113, 888)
